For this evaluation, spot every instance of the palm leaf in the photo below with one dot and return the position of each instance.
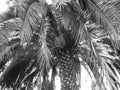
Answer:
(101, 60)
(32, 19)
(20, 7)
(44, 52)
(20, 56)
(104, 13)
(48, 33)
(9, 38)
(9, 29)
(40, 45)
(72, 18)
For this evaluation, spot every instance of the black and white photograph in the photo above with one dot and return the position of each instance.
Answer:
(59, 44)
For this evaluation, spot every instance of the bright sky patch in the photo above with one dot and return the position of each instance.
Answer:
(3, 6)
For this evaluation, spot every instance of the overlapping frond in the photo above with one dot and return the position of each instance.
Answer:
(37, 23)
(27, 58)
(20, 7)
(6, 52)
(48, 33)
(72, 18)
(100, 57)
(32, 19)
(9, 38)
(44, 55)
(106, 13)
(97, 56)
(65, 12)
(9, 29)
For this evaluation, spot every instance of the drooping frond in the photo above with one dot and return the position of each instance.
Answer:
(106, 13)
(9, 33)
(48, 34)
(9, 29)
(6, 51)
(72, 18)
(51, 40)
(100, 57)
(37, 49)
(20, 7)
(66, 12)
(23, 63)
(44, 55)
(32, 19)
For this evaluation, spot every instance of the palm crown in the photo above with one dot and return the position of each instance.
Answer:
(60, 37)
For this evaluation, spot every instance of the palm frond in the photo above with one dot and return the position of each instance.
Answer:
(65, 12)
(42, 47)
(6, 52)
(9, 38)
(70, 11)
(44, 52)
(100, 59)
(72, 18)
(32, 19)
(20, 56)
(9, 29)
(90, 72)
(20, 7)
(94, 53)
(106, 14)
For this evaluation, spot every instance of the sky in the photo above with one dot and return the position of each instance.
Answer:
(5, 4)
(49, 1)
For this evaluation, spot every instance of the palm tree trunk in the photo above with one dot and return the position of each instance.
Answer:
(67, 63)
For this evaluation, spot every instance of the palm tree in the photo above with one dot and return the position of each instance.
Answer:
(60, 37)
